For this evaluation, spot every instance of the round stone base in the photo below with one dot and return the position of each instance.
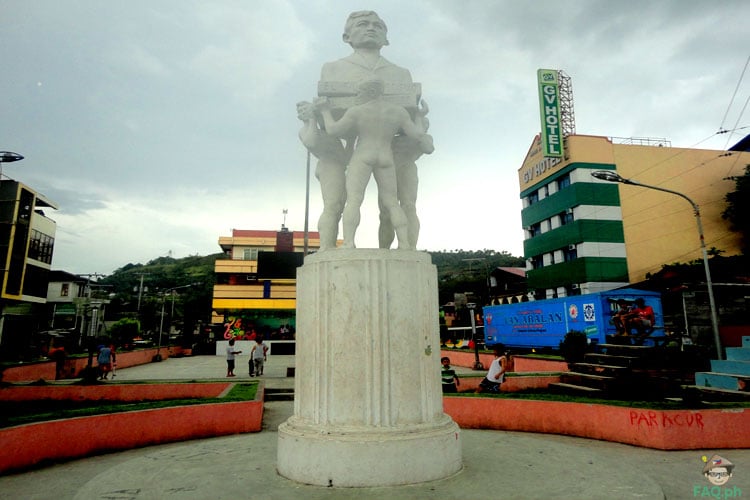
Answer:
(358, 457)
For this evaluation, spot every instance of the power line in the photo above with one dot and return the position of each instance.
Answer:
(736, 89)
(734, 129)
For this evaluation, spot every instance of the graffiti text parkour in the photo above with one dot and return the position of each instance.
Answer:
(534, 320)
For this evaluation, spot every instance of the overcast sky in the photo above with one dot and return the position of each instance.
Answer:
(160, 125)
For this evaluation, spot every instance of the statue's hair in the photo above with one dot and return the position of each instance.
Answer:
(361, 13)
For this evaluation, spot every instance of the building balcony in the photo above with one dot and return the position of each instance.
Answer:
(282, 290)
(236, 266)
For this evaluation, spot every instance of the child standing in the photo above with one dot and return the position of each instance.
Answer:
(259, 355)
(448, 374)
(231, 353)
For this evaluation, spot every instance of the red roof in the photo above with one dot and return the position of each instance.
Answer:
(262, 233)
(518, 271)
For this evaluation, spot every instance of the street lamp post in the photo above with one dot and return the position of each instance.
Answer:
(307, 206)
(8, 157)
(486, 274)
(477, 364)
(610, 176)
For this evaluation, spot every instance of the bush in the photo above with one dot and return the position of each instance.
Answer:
(574, 346)
(124, 331)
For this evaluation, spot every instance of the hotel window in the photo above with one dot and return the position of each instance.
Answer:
(566, 217)
(537, 262)
(570, 253)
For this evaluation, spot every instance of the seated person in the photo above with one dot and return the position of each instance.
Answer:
(642, 319)
(622, 317)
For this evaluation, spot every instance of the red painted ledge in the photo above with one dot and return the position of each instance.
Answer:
(74, 367)
(520, 362)
(27, 445)
(511, 384)
(659, 429)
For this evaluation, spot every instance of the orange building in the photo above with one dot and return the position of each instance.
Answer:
(255, 288)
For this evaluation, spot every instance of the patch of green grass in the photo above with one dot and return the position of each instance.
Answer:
(549, 357)
(26, 412)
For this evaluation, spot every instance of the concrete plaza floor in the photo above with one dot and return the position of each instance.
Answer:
(497, 465)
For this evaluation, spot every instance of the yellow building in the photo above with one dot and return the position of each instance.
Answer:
(256, 284)
(584, 235)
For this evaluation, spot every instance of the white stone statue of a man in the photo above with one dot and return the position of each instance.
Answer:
(366, 33)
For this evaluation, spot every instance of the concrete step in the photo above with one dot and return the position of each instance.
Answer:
(738, 354)
(630, 350)
(278, 394)
(718, 380)
(601, 382)
(599, 368)
(730, 366)
(612, 359)
(713, 394)
(565, 388)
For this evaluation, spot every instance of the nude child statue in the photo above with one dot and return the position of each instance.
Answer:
(374, 122)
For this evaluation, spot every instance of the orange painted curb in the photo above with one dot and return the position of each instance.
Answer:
(74, 367)
(24, 446)
(659, 429)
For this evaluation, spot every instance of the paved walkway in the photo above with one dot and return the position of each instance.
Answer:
(497, 465)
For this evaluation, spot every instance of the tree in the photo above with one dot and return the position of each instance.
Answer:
(738, 206)
(462, 271)
(124, 331)
(193, 304)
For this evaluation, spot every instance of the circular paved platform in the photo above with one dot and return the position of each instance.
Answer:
(496, 464)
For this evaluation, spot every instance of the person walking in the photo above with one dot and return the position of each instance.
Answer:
(104, 360)
(231, 353)
(259, 355)
(496, 374)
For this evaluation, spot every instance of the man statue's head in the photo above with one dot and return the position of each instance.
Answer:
(365, 29)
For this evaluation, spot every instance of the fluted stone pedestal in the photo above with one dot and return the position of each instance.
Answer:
(368, 405)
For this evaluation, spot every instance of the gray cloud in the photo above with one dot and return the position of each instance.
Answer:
(177, 117)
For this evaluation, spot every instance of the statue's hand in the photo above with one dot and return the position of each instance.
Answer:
(322, 103)
(305, 110)
(423, 108)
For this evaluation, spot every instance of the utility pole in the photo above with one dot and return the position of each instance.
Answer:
(169, 291)
(140, 290)
(90, 374)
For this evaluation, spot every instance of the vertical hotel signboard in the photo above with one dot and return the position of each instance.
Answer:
(549, 106)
